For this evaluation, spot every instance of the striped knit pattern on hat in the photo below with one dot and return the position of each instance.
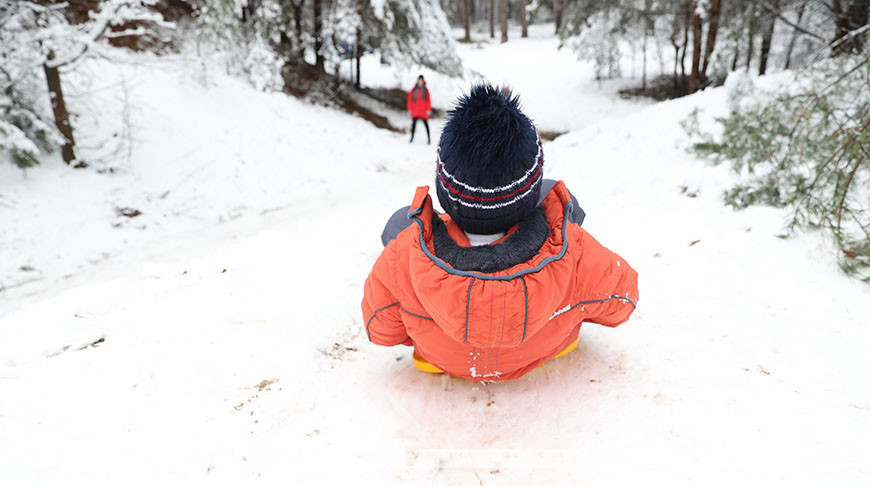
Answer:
(492, 198)
(490, 162)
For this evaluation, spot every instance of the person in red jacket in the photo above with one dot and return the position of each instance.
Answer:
(502, 282)
(420, 107)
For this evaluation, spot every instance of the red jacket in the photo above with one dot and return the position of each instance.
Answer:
(420, 107)
(502, 325)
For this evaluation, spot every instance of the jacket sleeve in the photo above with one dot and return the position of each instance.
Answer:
(428, 100)
(382, 312)
(608, 284)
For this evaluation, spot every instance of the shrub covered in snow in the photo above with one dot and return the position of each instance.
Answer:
(257, 38)
(36, 38)
(803, 145)
(25, 127)
(600, 42)
(417, 33)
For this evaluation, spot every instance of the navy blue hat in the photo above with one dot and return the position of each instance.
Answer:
(490, 162)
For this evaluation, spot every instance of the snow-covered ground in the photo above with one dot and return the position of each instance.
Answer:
(558, 92)
(229, 346)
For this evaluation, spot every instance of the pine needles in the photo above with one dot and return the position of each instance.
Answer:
(805, 146)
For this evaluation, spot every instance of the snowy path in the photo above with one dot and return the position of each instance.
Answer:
(234, 352)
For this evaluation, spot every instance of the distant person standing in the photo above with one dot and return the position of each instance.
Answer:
(420, 107)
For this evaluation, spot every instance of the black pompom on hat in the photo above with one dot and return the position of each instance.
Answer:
(490, 162)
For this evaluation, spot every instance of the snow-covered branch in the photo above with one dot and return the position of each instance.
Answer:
(37, 39)
(111, 13)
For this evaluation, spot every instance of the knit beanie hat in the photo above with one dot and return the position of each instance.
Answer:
(490, 162)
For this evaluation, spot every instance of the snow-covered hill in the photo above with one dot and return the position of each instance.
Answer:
(217, 338)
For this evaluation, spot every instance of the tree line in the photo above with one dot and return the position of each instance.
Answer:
(709, 38)
(269, 41)
(498, 13)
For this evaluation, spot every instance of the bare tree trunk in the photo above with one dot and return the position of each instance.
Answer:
(687, 21)
(766, 37)
(860, 16)
(492, 19)
(337, 74)
(712, 30)
(751, 37)
(794, 37)
(525, 15)
(646, 31)
(736, 56)
(841, 27)
(557, 12)
(297, 26)
(659, 49)
(466, 20)
(359, 52)
(504, 21)
(317, 6)
(675, 33)
(645, 37)
(694, 78)
(285, 46)
(58, 105)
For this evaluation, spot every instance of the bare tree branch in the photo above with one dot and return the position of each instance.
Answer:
(775, 12)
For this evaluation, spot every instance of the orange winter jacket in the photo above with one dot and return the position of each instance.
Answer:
(498, 325)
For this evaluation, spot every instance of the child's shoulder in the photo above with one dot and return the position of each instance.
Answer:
(397, 223)
(577, 214)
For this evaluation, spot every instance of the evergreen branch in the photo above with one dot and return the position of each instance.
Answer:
(845, 193)
(863, 227)
(846, 74)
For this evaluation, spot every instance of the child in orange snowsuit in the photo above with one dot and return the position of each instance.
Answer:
(502, 282)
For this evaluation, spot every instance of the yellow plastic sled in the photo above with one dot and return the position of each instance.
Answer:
(568, 348)
(424, 365)
(421, 364)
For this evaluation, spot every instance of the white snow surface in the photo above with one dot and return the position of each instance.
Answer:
(233, 347)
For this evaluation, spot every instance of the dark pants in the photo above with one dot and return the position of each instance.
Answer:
(414, 128)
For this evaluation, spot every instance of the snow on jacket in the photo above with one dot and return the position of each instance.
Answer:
(419, 102)
(494, 312)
